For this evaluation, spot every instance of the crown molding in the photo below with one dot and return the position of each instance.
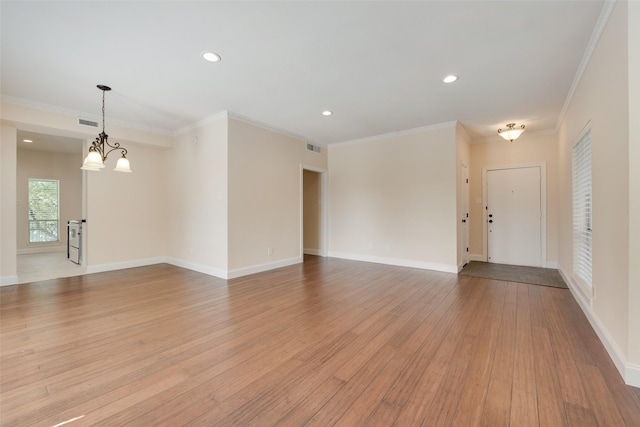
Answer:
(266, 126)
(69, 112)
(210, 119)
(412, 131)
(605, 13)
(463, 130)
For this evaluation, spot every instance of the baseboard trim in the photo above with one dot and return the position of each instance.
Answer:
(309, 251)
(629, 373)
(122, 265)
(476, 257)
(259, 268)
(8, 280)
(551, 264)
(211, 271)
(632, 376)
(205, 269)
(42, 249)
(446, 268)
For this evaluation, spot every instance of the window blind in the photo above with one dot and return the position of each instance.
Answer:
(43, 210)
(582, 209)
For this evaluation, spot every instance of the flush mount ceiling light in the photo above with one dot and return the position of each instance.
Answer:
(511, 132)
(28, 141)
(211, 57)
(100, 148)
(327, 113)
(450, 79)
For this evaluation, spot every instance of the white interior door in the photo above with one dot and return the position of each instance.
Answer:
(514, 217)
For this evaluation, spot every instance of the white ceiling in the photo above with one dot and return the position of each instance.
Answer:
(377, 65)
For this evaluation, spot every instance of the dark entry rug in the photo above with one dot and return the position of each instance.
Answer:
(515, 273)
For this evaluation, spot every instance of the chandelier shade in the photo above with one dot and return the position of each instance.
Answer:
(511, 132)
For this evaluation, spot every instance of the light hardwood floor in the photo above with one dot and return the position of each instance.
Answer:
(327, 342)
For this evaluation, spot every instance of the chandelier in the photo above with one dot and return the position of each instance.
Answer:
(100, 148)
(511, 132)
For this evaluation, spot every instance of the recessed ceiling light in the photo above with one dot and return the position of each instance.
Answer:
(327, 113)
(450, 79)
(28, 141)
(211, 57)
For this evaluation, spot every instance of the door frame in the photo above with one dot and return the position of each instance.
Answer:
(323, 250)
(464, 255)
(543, 207)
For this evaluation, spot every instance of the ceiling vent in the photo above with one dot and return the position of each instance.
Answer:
(87, 122)
(314, 148)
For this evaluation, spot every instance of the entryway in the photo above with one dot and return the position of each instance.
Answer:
(313, 211)
(515, 215)
(49, 190)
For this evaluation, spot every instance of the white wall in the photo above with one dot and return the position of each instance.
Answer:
(197, 202)
(8, 260)
(265, 197)
(45, 165)
(126, 212)
(463, 157)
(392, 199)
(634, 189)
(602, 98)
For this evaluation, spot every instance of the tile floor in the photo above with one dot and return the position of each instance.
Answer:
(45, 266)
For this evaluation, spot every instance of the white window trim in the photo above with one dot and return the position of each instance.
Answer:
(588, 289)
(56, 242)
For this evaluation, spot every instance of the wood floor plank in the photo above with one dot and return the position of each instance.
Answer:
(443, 352)
(550, 404)
(472, 400)
(497, 407)
(524, 402)
(325, 342)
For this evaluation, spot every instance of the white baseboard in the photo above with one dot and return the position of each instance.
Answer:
(632, 376)
(8, 280)
(127, 264)
(309, 251)
(447, 268)
(42, 249)
(476, 257)
(245, 271)
(629, 373)
(205, 269)
(551, 264)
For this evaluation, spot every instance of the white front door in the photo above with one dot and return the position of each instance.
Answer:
(514, 217)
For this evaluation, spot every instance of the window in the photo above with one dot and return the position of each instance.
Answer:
(43, 210)
(582, 210)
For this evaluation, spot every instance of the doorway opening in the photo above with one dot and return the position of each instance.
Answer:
(41, 221)
(313, 239)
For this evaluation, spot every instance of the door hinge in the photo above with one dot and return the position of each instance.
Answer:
(467, 180)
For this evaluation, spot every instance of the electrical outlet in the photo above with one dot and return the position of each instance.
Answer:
(269, 251)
